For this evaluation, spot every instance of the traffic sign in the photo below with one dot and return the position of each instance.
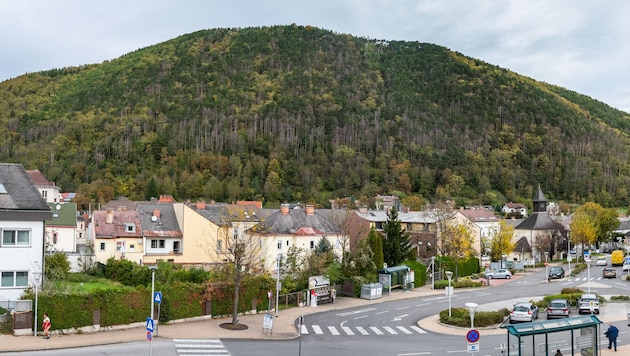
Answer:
(473, 347)
(157, 297)
(627, 260)
(150, 325)
(149, 336)
(472, 335)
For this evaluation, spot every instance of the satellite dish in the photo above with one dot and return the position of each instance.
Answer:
(154, 218)
(58, 207)
(139, 241)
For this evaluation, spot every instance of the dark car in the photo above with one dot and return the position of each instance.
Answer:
(610, 272)
(556, 272)
(558, 308)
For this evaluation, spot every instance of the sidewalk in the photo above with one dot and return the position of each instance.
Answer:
(283, 327)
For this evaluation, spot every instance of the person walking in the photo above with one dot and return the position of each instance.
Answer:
(558, 353)
(46, 326)
(612, 334)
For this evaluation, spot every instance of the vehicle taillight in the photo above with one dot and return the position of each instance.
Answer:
(566, 310)
(529, 312)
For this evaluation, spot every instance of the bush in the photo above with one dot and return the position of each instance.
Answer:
(461, 283)
(460, 317)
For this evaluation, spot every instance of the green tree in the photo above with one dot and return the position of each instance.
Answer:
(57, 266)
(376, 245)
(396, 245)
(607, 222)
(152, 190)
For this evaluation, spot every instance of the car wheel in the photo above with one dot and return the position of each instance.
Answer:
(489, 277)
(508, 276)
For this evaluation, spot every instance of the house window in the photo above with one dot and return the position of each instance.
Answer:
(378, 225)
(44, 194)
(158, 243)
(287, 242)
(279, 244)
(132, 248)
(409, 227)
(129, 227)
(312, 244)
(120, 246)
(16, 238)
(14, 279)
(220, 245)
(55, 236)
(102, 246)
(176, 247)
(426, 227)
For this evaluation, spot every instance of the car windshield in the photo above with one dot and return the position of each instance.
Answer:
(521, 308)
(557, 305)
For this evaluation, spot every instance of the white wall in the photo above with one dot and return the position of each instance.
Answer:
(21, 258)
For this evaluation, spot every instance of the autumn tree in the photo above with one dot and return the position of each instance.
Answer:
(457, 243)
(583, 226)
(396, 246)
(501, 241)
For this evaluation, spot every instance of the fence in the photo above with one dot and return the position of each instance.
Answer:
(17, 305)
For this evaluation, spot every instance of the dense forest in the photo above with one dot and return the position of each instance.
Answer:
(294, 113)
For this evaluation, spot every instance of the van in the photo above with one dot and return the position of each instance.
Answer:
(617, 257)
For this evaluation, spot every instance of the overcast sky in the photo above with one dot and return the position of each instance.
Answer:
(582, 45)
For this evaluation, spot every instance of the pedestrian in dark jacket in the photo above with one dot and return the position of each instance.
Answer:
(612, 334)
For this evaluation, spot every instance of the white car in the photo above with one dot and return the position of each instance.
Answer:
(625, 267)
(601, 261)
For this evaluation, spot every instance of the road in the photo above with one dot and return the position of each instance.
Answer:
(389, 328)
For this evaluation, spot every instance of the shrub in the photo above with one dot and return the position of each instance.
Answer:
(460, 317)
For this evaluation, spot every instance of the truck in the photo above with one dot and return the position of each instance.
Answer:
(617, 257)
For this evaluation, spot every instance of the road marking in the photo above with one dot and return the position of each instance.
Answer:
(423, 304)
(347, 330)
(303, 330)
(361, 317)
(390, 330)
(333, 330)
(317, 330)
(362, 330)
(418, 329)
(376, 330)
(357, 312)
(401, 308)
(404, 330)
(200, 347)
(399, 318)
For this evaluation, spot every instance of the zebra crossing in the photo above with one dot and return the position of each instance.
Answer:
(361, 331)
(200, 347)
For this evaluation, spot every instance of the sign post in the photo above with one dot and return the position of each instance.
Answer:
(150, 326)
(472, 336)
(157, 298)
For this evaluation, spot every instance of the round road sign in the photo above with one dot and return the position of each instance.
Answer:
(472, 335)
(149, 336)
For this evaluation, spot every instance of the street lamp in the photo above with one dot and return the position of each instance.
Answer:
(278, 283)
(432, 272)
(449, 274)
(153, 269)
(588, 273)
(37, 274)
(471, 310)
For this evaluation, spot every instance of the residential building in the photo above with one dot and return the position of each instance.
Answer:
(162, 238)
(49, 191)
(482, 223)
(116, 234)
(23, 213)
(514, 209)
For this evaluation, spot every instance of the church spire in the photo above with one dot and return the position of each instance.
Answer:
(540, 201)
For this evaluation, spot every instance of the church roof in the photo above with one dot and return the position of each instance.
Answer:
(539, 197)
(539, 221)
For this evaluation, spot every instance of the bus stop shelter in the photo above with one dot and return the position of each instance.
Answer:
(572, 336)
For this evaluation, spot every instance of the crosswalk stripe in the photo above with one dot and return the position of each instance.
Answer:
(333, 330)
(419, 330)
(317, 330)
(404, 330)
(376, 330)
(390, 330)
(347, 330)
(362, 330)
(200, 347)
(304, 330)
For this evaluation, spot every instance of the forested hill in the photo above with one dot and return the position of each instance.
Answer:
(293, 113)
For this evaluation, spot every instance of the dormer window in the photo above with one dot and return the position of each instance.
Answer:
(129, 227)
(3, 190)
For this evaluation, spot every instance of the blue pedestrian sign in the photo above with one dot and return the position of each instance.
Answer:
(157, 297)
(150, 324)
(627, 260)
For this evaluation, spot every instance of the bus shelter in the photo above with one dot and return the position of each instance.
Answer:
(572, 336)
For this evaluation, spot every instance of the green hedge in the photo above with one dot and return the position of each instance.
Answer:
(461, 317)
(463, 267)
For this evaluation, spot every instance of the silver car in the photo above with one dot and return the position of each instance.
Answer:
(523, 312)
(558, 308)
(499, 273)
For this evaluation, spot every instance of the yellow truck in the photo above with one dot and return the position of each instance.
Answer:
(617, 258)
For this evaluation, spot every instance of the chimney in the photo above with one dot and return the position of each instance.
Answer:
(310, 210)
(156, 213)
(284, 209)
(109, 218)
(201, 205)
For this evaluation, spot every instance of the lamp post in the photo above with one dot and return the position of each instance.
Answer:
(432, 272)
(278, 283)
(471, 310)
(37, 274)
(569, 253)
(588, 272)
(153, 269)
(449, 274)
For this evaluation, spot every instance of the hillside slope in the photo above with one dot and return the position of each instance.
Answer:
(290, 113)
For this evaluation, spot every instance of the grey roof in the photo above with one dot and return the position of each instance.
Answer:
(298, 220)
(539, 221)
(163, 225)
(539, 197)
(219, 213)
(422, 217)
(21, 193)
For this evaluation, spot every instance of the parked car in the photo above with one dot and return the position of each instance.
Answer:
(601, 261)
(625, 267)
(558, 308)
(610, 272)
(523, 312)
(556, 272)
(588, 302)
(498, 273)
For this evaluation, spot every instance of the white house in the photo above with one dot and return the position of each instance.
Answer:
(515, 208)
(23, 213)
(49, 191)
